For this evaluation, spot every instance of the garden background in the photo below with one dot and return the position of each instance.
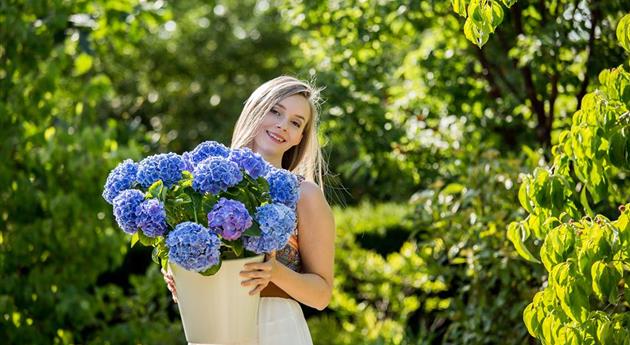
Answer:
(478, 153)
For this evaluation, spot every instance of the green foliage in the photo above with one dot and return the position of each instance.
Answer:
(56, 240)
(482, 17)
(439, 270)
(587, 255)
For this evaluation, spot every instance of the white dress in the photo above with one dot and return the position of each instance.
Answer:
(281, 322)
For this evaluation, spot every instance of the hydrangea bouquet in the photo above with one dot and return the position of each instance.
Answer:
(204, 206)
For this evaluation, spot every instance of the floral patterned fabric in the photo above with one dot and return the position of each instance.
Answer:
(290, 254)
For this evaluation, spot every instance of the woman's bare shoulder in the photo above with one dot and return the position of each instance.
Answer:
(311, 194)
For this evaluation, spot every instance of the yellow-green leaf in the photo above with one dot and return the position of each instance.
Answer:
(517, 233)
(82, 64)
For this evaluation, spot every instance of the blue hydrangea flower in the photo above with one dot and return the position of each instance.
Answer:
(166, 167)
(283, 187)
(125, 209)
(250, 161)
(229, 218)
(120, 178)
(208, 149)
(151, 218)
(193, 247)
(188, 164)
(277, 222)
(216, 174)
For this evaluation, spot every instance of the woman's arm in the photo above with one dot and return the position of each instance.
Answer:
(316, 229)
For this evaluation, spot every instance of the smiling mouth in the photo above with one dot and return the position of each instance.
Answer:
(275, 137)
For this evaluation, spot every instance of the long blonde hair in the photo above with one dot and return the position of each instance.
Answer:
(304, 158)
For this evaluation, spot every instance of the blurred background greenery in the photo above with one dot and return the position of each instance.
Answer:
(426, 135)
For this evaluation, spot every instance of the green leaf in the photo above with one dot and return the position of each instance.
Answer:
(523, 197)
(146, 240)
(531, 321)
(517, 234)
(155, 191)
(253, 230)
(207, 202)
(557, 193)
(623, 32)
(557, 246)
(496, 15)
(459, 6)
(605, 333)
(237, 247)
(453, 188)
(508, 3)
(604, 281)
(82, 64)
(584, 202)
(617, 149)
(187, 175)
(212, 270)
(134, 238)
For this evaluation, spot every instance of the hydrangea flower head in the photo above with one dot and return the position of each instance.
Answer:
(250, 161)
(120, 178)
(125, 209)
(151, 218)
(283, 187)
(229, 218)
(188, 164)
(216, 174)
(277, 222)
(208, 149)
(166, 167)
(193, 247)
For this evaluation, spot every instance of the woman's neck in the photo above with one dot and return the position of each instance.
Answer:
(275, 161)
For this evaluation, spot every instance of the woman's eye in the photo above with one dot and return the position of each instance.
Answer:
(275, 112)
(296, 124)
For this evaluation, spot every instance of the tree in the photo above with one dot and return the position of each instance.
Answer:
(586, 254)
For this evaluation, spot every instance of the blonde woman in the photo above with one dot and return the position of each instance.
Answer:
(279, 122)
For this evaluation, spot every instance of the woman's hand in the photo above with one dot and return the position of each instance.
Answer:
(170, 283)
(259, 274)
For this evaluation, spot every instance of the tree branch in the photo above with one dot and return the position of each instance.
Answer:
(495, 91)
(595, 16)
(530, 89)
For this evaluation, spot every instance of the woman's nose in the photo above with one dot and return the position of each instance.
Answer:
(281, 125)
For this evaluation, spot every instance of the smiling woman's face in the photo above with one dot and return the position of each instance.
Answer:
(282, 127)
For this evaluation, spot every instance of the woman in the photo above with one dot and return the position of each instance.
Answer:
(279, 122)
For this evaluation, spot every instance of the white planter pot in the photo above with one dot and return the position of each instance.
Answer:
(217, 309)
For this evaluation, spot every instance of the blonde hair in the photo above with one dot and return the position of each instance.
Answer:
(304, 158)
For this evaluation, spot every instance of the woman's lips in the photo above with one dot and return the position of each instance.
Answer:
(275, 138)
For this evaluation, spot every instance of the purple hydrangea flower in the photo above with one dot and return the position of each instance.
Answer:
(277, 222)
(120, 178)
(283, 187)
(208, 149)
(216, 174)
(193, 247)
(125, 209)
(151, 218)
(229, 218)
(166, 167)
(250, 161)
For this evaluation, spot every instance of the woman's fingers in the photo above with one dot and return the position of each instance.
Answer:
(255, 274)
(170, 284)
(264, 266)
(259, 283)
(257, 289)
(255, 281)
